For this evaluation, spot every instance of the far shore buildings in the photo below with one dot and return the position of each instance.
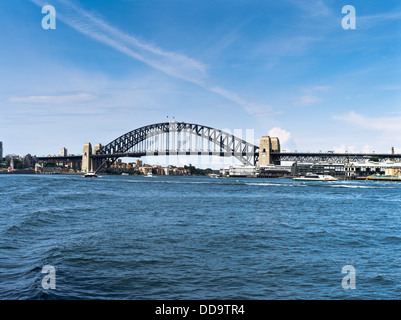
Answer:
(365, 169)
(138, 166)
(347, 171)
(335, 169)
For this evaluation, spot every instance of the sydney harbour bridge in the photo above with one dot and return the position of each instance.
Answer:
(189, 139)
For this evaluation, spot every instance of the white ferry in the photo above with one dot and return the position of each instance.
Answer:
(315, 177)
(90, 175)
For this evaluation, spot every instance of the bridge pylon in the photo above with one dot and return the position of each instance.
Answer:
(89, 163)
(266, 146)
(96, 162)
(87, 158)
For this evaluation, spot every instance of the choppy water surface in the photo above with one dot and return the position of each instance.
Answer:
(127, 237)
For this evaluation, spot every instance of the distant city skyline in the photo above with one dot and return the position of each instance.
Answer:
(286, 69)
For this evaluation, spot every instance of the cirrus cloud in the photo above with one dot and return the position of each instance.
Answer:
(378, 123)
(171, 63)
(307, 100)
(55, 99)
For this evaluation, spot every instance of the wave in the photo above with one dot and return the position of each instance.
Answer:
(177, 182)
(359, 186)
(263, 184)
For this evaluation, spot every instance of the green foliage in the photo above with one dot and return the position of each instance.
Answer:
(49, 165)
(18, 164)
(197, 171)
(118, 171)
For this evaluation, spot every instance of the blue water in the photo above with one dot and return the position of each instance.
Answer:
(127, 237)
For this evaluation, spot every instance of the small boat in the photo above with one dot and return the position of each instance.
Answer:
(315, 177)
(214, 175)
(90, 175)
(125, 174)
(149, 174)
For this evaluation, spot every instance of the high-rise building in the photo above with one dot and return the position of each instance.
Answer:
(1, 151)
(63, 152)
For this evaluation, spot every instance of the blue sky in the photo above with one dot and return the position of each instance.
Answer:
(281, 68)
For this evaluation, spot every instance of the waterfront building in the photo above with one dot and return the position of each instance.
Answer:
(273, 172)
(242, 171)
(38, 168)
(393, 170)
(266, 171)
(171, 171)
(224, 172)
(364, 169)
(146, 169)
(323, 168)
(29, 161)
(11, 168)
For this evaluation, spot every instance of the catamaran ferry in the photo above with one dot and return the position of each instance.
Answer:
(315, 177)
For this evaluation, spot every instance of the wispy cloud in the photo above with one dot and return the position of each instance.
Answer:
(314, 8)
(384, 124)
(289, 46)
(60, 99)
(311, 95)
(176, 65)
(307, 100)
(371, 21)
(377, 18)
(366, 148)
(318, 89)
(343, 149)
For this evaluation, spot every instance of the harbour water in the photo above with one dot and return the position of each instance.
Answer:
(135, 237)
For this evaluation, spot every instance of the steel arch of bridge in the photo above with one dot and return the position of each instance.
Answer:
(227, 144)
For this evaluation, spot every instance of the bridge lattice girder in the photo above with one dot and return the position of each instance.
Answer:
(226, 143)
(333, 157)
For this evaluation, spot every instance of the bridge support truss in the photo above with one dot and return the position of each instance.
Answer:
(177, 138)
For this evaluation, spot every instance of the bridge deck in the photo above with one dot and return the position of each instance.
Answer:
(325, 156)
(283, 156)
(174, 153)
(60, 158)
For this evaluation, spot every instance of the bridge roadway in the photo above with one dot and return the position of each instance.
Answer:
(60, 158)
(331, 156)
(276, 156)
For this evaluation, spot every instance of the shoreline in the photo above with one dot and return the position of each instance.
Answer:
(380, 178)
(31, 172)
